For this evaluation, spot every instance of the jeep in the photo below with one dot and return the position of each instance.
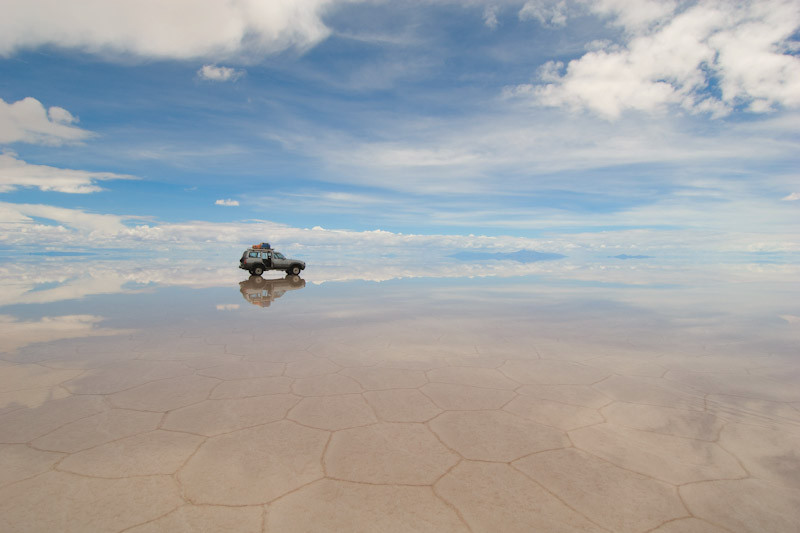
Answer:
(256, 260)
(262, 292)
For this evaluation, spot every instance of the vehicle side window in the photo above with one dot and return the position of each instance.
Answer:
(253, 254)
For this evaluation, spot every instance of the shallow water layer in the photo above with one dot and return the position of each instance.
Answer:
(646, 401)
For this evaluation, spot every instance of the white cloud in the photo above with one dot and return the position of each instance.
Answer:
(550, 13)
(179, 29)
(78, 278)
(75, 227)
(15, 333)
(524, 148)
(490, 17)
(739, 224)
(671, 57)
(28, 121)
(634, 15)
(227, 307)
(227, 202)
(18, 224)
(23, 285)
(793, 197)
(215, 73)
(15, 173)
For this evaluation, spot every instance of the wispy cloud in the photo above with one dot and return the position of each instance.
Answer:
(533, 149)
(15, 173)
(215, 73)
(550, 13)
(793, 197)
(227, 202)
(28, 121)
(490, 17)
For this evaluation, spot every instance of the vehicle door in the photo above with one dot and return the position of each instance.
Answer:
(280, 262)
(267, 256)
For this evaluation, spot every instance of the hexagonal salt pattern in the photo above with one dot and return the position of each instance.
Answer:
(407, 454)
(254, 466)
(329, 505)
(473, 434)
(490, 494)
(409, 426)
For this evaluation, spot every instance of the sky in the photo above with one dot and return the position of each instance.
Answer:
(587, 128)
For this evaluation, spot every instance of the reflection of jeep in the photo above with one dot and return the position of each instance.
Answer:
(256, 260)
(262, 292)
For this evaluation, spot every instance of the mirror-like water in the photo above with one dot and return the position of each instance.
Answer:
(543, 397)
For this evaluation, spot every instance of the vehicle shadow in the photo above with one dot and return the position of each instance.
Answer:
(262, 292)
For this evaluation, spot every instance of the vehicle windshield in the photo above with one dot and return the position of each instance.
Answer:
(279, 255)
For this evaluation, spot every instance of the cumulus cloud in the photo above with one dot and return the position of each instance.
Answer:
(15, 173)
(28, 121)
(215, 73)
(180, 29)
(227, 202)
(709, 57)
(793, 197)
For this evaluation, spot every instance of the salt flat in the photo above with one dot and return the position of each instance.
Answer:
(417, 405)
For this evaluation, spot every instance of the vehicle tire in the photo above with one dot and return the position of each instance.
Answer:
(257, 271)
(294, 270)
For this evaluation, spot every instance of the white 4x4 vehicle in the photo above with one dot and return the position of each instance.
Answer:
(257, 260)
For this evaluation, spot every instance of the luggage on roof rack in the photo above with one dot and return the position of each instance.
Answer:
(263, 245)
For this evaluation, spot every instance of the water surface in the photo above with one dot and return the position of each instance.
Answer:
(517, 397)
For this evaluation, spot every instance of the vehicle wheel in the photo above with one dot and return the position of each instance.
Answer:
(294, 270)
(257, 271)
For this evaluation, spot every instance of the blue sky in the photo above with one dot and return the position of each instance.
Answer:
(658, 127)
